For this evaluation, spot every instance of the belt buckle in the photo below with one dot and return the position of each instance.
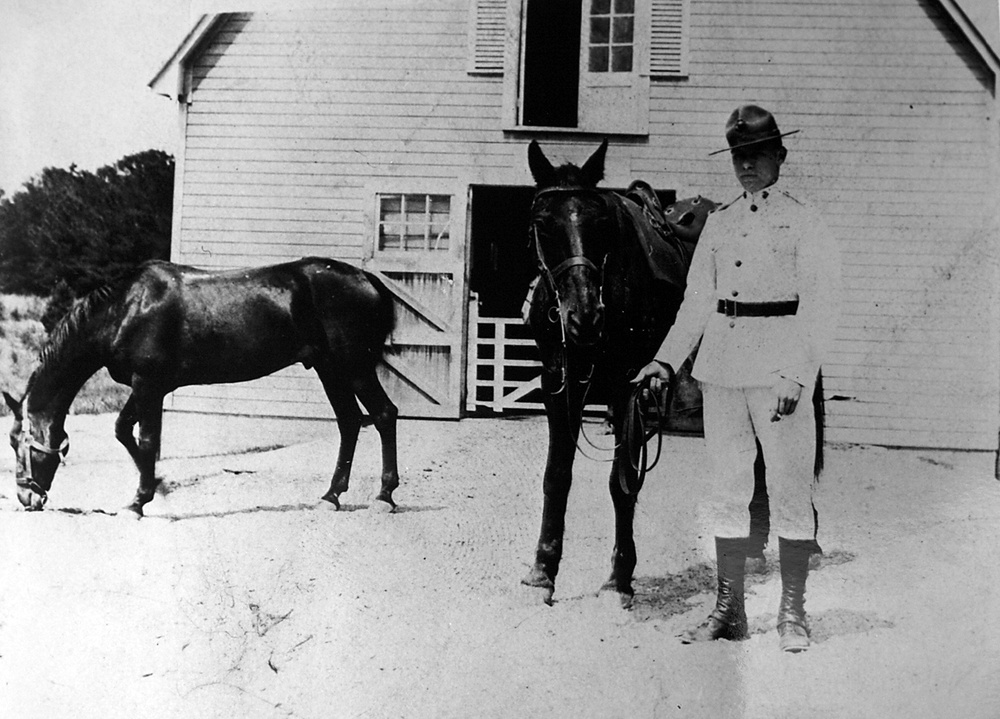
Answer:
(730, 307)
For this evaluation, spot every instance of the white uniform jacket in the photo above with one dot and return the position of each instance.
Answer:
(761, 248)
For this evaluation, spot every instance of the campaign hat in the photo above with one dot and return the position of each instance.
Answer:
(751, 125)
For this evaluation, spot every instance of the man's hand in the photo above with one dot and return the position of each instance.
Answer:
(786, 395)
(660, 376)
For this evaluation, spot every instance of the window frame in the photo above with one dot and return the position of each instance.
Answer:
(405, 222)
(660, 37)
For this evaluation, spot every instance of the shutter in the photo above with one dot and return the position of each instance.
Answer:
(487, 35)
(668, 41)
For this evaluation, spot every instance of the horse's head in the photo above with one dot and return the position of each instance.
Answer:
(38, 451)
(571, 227)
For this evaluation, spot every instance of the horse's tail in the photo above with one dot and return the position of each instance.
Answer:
(819, 411)
(385, 314)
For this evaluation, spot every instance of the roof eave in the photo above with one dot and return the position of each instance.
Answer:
(169, 81)
(973, 35)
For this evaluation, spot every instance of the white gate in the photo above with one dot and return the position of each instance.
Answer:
(504, 369)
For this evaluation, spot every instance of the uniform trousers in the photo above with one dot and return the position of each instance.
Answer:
(733, 417)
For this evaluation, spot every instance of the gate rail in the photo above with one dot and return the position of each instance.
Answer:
(504, 368)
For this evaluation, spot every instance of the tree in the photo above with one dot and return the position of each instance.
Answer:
(70, 231)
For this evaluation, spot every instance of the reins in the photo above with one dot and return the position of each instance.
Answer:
(636, 434)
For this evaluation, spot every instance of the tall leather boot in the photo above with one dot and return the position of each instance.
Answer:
(793, 629)
(729, 618)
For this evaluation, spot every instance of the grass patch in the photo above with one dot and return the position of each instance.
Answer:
(22, 337)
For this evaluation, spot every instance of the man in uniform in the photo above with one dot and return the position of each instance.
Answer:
(762, 300)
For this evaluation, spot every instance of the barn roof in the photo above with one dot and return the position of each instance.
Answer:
(169, 80)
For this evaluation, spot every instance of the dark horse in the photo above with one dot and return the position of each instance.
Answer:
(168, 326)
(599, 314)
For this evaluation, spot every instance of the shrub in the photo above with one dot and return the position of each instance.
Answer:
(22, 337)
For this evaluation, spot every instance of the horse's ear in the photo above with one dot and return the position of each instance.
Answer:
(541, 168)
(593, 168)
(15, 406)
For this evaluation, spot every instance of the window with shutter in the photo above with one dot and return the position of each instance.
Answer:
(668, 38)
(582, 65)
(487, 36)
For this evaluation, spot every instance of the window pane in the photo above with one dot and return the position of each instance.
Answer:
(388, 237)
(622, 30)
(414, 239)
(414, 222)
(390, 219)
(624, 7)
(390, 204)
(598, 59)
(621, 59)
(439, 237)
(600, 30)
(600, 7)
(440, 218)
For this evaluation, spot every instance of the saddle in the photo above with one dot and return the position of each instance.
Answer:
(668, 237)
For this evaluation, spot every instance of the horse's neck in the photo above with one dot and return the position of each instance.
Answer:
(66, 364)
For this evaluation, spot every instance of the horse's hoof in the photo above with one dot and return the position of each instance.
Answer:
(610, 597)
(534, 595)
(380, 506)
(538, 586)
(330, 500)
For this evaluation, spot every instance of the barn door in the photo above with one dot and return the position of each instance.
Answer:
(418, 252)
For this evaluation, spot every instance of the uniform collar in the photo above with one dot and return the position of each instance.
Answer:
(763, 198)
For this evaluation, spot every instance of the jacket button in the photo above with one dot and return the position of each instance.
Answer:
(732, 323)
(739, 262)
(736, 293)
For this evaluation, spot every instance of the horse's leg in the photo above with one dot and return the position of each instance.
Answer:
(125, 425)
(555, 489)
(623, 557)
(345, 407)
(383, 413)
(149, 412)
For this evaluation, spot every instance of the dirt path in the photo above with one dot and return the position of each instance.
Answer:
(241, 595)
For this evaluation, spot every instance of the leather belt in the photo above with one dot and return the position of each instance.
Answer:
(732, 308)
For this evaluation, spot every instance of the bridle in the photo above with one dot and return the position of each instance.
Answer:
(25, 478)
(635, 434)
(554, 274)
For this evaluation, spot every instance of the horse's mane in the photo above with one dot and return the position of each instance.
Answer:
(70, 326)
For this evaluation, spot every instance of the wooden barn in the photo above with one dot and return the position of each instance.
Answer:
(393, 134)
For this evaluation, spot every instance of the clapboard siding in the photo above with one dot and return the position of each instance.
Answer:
(898, 148)
(294, 117)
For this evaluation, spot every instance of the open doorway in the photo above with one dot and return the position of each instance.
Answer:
(503, 261)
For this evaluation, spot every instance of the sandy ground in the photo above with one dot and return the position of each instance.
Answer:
(241, 595)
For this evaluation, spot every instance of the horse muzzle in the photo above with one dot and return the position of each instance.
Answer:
(31, 496)
(584, 328)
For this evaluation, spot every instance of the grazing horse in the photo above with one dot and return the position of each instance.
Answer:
(167, 326)
(599, 313)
